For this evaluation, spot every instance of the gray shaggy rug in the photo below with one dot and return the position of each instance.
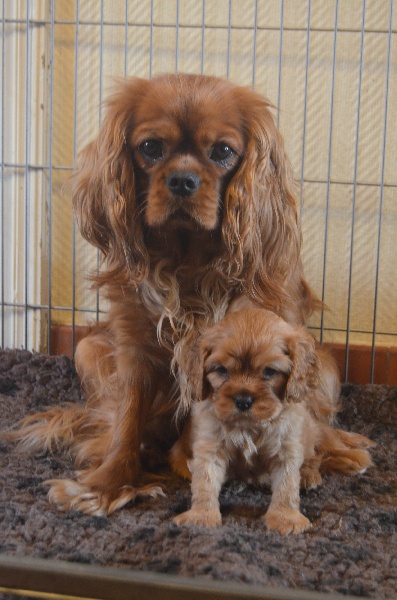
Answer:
(351, 548)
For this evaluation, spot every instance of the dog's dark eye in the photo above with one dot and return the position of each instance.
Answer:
(152, 149)
(268, 373)
(220, 370)
(221, 152)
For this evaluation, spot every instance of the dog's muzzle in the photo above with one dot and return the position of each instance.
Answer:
(243, 402)
(183, 183)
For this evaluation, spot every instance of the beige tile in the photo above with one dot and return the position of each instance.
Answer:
(377, 16)
(296, 14)
(139, 13)
(269, 14)
(114, 12)
(164, 12)
(216, 13)
(350, 15)
(323, 14)
(88, 11)
(243, 14)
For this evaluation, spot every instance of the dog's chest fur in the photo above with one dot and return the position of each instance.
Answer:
(251, 447)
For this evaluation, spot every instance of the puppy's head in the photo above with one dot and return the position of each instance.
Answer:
(188, 153)
(253, 363)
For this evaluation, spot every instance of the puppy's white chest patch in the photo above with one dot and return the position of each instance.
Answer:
(242, 442)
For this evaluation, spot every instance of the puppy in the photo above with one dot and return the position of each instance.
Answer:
(189, 195)
(262, 420)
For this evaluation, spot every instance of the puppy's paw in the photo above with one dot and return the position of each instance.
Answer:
(286, 520)
(202, 518)
(71, 495)
(310, 477)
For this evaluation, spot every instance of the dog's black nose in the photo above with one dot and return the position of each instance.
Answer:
(183, 183)
(243, 402)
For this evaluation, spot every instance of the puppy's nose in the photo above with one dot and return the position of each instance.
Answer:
(183, 183)
(243, 401)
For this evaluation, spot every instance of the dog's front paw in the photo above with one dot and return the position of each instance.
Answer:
(72, 495)
(202, 518)
(286, 520)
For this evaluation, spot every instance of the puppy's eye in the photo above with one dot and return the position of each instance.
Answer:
(221, 152)
(220, 370)
(152, 149)
(268, 373)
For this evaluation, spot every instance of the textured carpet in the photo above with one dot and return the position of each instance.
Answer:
(350, 549)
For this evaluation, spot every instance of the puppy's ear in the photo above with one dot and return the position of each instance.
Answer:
(200, 386)
(188, 363)
(104, 186)
(260, 227)
(304, 372)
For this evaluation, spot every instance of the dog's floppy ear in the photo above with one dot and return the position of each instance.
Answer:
(260, 227)
(104, 186)
(200, 386)
(304, 372)
(188, 363)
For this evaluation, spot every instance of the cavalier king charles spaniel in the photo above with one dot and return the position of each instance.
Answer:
(189, 196)
(262, 419)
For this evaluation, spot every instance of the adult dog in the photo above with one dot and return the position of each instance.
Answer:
(189, 195)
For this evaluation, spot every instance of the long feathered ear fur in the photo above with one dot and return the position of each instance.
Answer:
(104, 195)
(260, 228)
(199, 388)
(304, 374)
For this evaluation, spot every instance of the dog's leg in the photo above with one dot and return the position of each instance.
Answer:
(121, 386)
(283, 514)
(109, 485)
(208, 471)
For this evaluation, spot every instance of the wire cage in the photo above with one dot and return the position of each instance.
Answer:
(330, 68)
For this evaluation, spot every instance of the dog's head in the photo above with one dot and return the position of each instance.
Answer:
(252, 364)
(189, 153)
(187, 141)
